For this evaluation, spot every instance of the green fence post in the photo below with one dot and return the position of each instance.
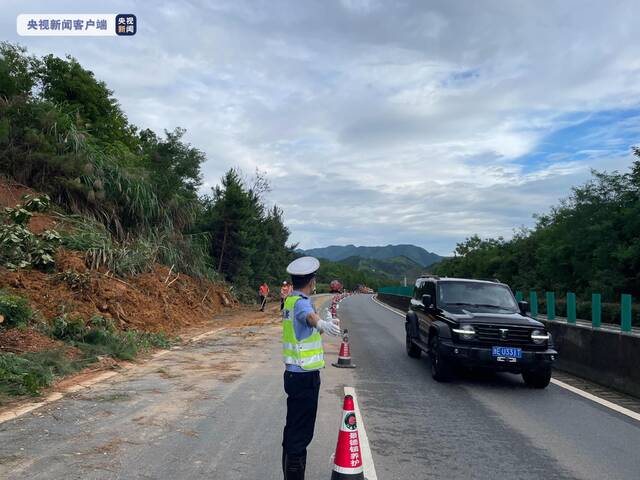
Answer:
(551, 305)
(533, 303)
(625, 313)
(518, 296)
(596, 310)
(571, 308)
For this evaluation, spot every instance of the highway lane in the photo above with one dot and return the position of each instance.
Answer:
(491, 427)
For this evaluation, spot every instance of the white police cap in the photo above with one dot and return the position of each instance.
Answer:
(303, 266)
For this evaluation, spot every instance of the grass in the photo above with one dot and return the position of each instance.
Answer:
(100, 337)
(122, 258)
(14, 309)
(29, 373)
(186, 253)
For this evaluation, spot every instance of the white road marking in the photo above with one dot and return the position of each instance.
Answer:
(598, 400)
(367, 458)
(391, 309)
(589, 396)
(29, 407)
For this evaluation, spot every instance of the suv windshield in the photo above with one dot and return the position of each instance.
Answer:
(477, 295)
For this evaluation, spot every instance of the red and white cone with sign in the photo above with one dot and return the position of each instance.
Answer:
(344, 356)
(347, 462)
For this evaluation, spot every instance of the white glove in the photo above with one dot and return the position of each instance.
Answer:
(332, 327)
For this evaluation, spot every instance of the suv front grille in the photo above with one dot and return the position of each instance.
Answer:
(492, 334)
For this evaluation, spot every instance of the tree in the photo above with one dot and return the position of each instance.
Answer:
(16, 69)
(66, 83)
(588, 243)
(174, 165)
(247, 241)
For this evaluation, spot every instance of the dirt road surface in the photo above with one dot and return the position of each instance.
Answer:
(211, 409)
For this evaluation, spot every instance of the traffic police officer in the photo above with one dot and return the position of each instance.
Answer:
(303, 356)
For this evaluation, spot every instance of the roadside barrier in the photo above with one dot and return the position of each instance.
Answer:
(347, 461)
(344, 357)
(570, 309)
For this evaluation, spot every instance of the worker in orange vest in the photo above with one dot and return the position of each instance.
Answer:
(263, 293)
(285, 291)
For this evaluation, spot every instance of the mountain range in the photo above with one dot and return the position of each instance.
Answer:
(335, 253)
(397, 268)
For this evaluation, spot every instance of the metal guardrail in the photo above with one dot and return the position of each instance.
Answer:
(400, 291)
(626, 309)
(626, 306)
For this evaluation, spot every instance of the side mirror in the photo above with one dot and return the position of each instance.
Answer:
(523, 306)
(426, 301)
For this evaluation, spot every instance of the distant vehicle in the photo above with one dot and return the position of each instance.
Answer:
(335, 286)
(476, 323)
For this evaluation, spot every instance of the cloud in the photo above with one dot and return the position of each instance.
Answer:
(404, 122)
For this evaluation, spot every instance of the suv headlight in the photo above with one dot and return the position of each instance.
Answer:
(465, 332)
(539, 337)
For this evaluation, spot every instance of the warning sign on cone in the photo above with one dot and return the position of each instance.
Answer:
(344, 356)
(347, 462)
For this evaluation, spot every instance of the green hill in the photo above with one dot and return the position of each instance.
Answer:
(350, 276)
(395, 268)
(337, 253)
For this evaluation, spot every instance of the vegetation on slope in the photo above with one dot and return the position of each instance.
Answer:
(349, 276)
(396, 268)
(130, 247)
(134, 192)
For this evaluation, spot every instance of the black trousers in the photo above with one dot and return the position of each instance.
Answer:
(302, 391)
(262, 301)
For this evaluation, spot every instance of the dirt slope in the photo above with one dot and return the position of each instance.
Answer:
(154, 301)
(159, 300)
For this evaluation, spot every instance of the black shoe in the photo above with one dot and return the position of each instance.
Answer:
(294, 467)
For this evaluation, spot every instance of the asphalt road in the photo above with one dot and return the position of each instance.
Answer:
(215, 410)
(491, 427)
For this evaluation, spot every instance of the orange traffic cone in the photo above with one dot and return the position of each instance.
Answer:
(344, 357)
(347, 462)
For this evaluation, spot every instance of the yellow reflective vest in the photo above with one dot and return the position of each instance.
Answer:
(307, 353)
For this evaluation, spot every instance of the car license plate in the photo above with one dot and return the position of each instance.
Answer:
(506, 354)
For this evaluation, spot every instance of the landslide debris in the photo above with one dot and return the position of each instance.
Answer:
(154, 301)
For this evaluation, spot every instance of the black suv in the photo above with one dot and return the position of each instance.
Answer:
(476, 323)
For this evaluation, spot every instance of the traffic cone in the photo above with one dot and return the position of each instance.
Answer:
(344, 357)
(347, 461)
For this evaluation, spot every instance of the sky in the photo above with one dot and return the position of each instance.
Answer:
(379, 122)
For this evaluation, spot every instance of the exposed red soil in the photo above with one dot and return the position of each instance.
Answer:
(24, 341)
(154, 301)
(11, 194)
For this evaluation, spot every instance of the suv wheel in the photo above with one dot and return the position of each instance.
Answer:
(538, 378)
(440, 369)
(413, 350)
